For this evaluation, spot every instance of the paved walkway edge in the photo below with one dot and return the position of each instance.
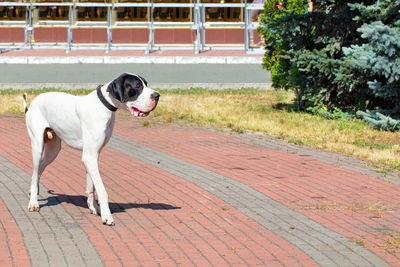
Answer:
(130, 60)
(163, 86)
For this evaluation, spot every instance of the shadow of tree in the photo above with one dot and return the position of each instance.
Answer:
(286, 106)
(80, 201)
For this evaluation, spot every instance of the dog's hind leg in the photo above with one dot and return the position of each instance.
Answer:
(91, 200)
(37, 149)
(44, 152)
(51, 149)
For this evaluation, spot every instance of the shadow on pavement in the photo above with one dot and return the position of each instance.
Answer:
(80, 201)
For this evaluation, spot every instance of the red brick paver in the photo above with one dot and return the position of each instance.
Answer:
(12, 249)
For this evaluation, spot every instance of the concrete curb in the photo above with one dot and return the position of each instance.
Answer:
(130, 60)
(164, 86)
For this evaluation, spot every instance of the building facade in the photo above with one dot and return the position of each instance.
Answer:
(126, 22)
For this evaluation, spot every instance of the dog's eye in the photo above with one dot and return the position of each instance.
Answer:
(132, 93)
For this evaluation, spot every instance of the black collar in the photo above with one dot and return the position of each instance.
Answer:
(104, 101)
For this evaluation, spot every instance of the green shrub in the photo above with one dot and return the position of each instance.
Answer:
(280, 67)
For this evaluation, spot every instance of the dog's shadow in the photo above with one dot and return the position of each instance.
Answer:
(80, 201)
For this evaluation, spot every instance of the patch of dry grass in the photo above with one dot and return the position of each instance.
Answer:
(11, 100)
(376, 208)
(392, 241)
(12, 104)
(358, 241)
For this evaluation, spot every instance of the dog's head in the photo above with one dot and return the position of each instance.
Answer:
(132, 91)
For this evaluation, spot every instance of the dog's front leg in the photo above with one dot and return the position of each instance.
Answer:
(90, 160)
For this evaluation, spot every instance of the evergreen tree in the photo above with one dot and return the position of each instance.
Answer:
(344, 54)
(378, 58)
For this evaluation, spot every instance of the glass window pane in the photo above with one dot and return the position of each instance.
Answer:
(16, 13)
(52, 12)
(173, 13)
(92, 13)
(132, 13)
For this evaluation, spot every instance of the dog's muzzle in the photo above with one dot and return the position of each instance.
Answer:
(154, 97)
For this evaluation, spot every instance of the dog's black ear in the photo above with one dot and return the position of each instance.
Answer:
(145, 82)
(116, 88)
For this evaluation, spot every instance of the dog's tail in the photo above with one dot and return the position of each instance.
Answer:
(25, 104)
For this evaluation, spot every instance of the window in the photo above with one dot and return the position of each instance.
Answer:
(13, 13)
(51, 12)
(92, 13)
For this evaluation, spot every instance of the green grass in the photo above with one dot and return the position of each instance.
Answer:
(11, 100)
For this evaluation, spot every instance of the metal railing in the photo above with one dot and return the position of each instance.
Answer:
(198, 24)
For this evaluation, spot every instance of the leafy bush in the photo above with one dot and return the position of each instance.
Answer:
(280, 66)
(331, 114)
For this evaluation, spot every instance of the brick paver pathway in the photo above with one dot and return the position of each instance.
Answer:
(193, 197)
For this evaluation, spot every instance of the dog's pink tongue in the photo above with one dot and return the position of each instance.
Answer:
(135, 112)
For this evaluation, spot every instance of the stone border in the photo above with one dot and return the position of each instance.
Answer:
(164, 86)
(129, 60)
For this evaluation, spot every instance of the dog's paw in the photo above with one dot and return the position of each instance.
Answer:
(93, 207)
(93, 211)
(33, 207)
(108, 220)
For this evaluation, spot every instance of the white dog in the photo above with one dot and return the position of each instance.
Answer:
(85, 123)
